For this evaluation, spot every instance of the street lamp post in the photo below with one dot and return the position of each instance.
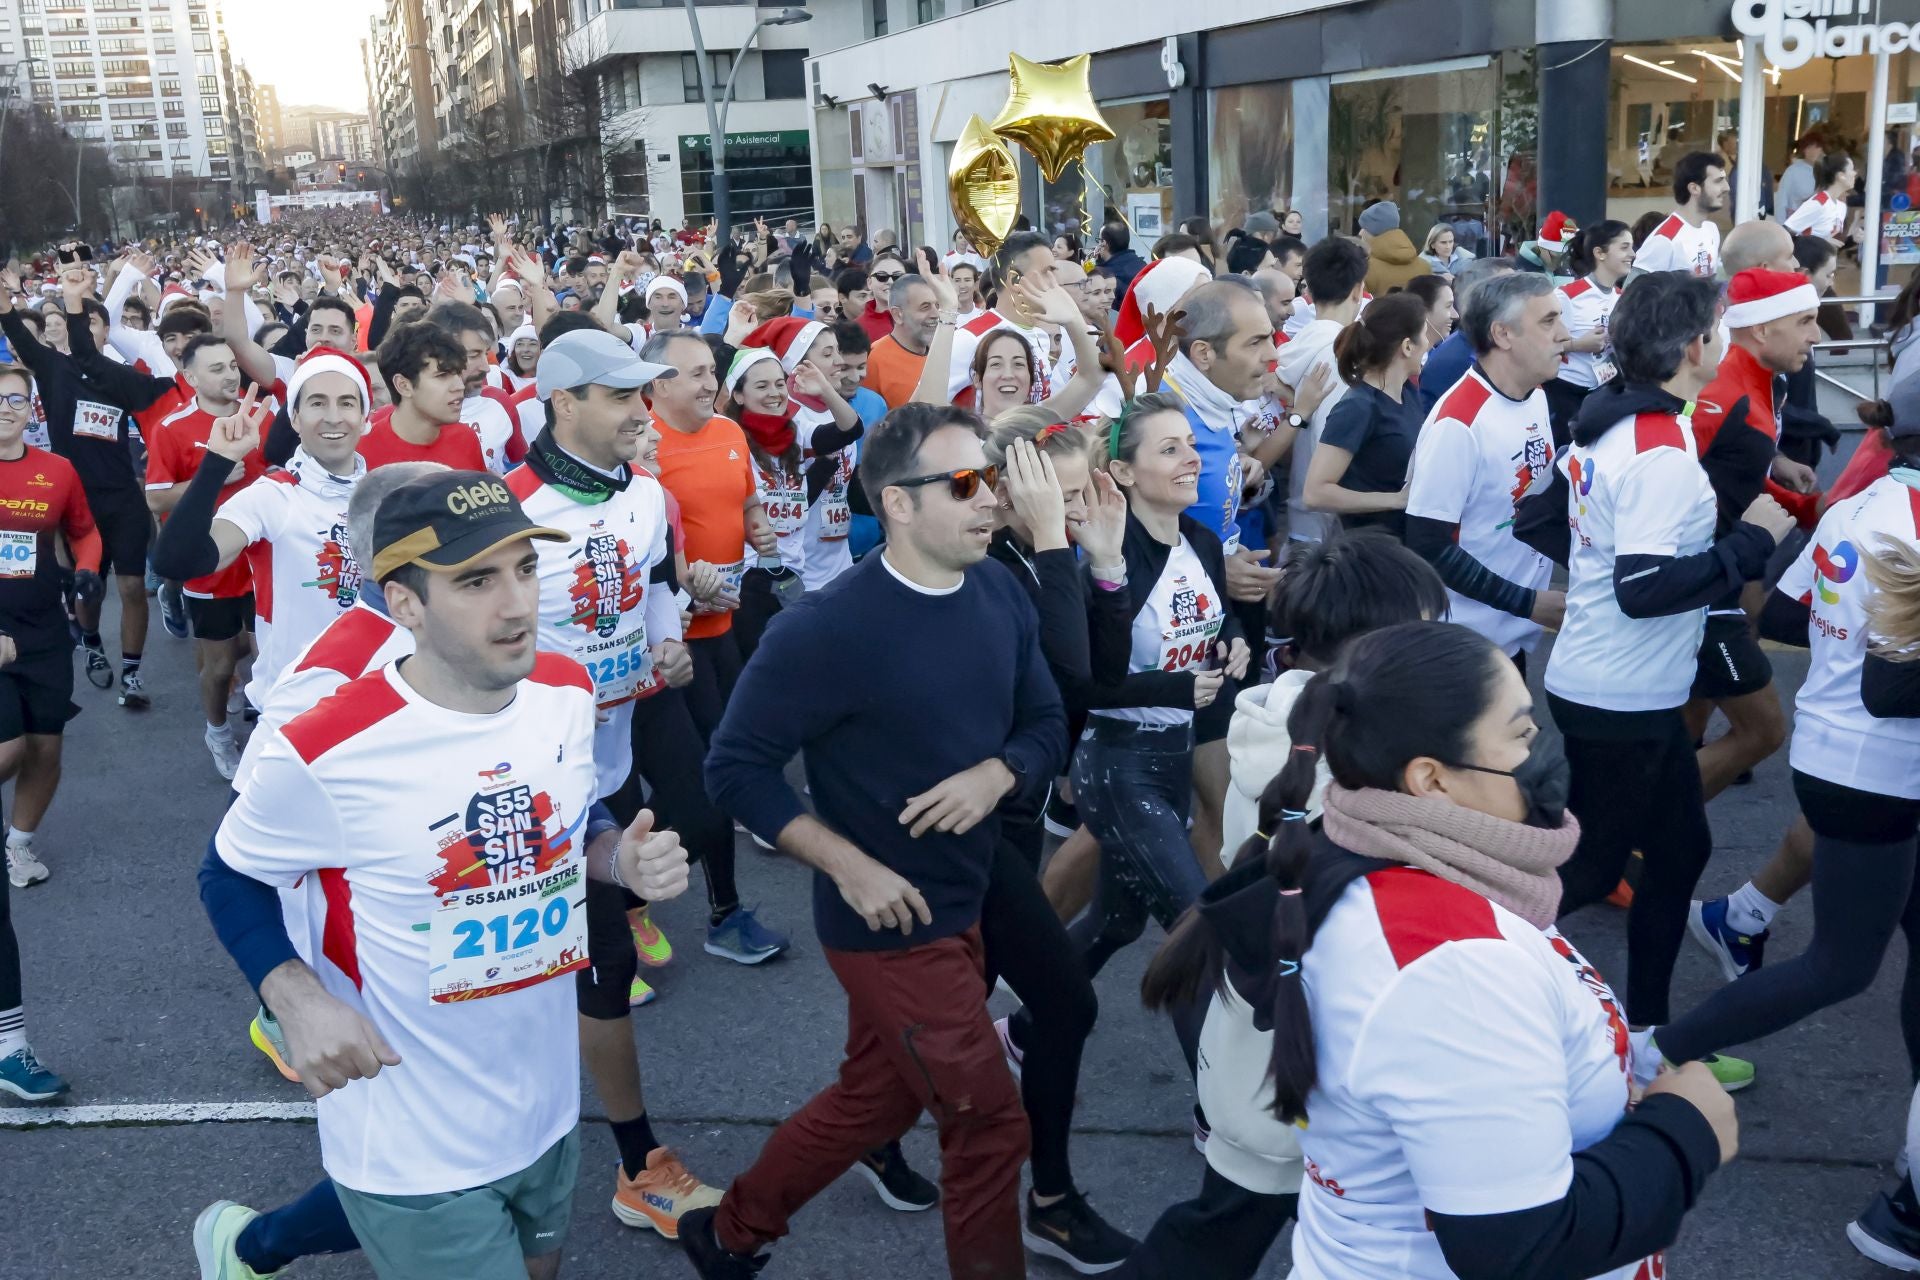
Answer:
(717, 112)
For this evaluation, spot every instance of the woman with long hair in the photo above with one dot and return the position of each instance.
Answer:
(1599, 256)
(1392, 1014)
(1359, 469)
(1443, 252)
(1002, 377)
(1437, 293)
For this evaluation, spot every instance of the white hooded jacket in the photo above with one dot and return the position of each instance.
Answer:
(1257, 746)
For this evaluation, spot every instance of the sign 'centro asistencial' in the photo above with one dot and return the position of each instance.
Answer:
(1795, 32)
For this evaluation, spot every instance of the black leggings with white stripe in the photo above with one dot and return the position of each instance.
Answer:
(10, 997)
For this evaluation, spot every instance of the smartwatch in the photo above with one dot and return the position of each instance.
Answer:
(1295, 421)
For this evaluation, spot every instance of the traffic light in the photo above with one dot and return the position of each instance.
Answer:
(343, 171)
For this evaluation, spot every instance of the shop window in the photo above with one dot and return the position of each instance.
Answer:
(1134, 172)
(1250, 160)
(784, 72)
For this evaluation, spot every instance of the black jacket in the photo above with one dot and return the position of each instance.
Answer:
(1112, 646)
(105, 467)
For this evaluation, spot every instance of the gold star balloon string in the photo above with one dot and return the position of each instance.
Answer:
(1050, 111)
(983, 182)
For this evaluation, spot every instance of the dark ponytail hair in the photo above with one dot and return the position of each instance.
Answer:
(1878, 416)
(1371, 342)
(1589, 241)
(1396, 694)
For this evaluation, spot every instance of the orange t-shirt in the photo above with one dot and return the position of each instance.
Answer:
(893, 371)
(709, 472)
(457, 445)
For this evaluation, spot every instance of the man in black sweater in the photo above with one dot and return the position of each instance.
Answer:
(926, 703)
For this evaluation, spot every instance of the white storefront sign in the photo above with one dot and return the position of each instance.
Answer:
(1795, 32)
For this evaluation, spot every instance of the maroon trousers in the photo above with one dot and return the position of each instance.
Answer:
(918, 1039)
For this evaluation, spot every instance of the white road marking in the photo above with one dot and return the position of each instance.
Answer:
(152, 1113)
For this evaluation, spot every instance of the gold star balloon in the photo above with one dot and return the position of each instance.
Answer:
(983, 183)
(1050, 111)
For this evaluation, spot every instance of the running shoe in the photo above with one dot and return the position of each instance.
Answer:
(1202, 1131)
(1734, 1074)
(215, 1234)
(1737, 953)
(99, 667)
(742, 939)
(894, 1180)
(649, 943)
(1015, 1058)
(236, 700)
(1888, 1231)
(133, 692)
(225, 751)
(712, 1260)
(173, 610)
(269, 1039)
(1621, 897)
(663, 1191)
(23, 868)
(640, 993)
(1062, 818)
(760, 844)
(1069, 1231)
(22, 1076)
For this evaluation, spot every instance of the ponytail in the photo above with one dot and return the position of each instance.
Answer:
(1587, 242)
(1283, 817)
(1371, 342)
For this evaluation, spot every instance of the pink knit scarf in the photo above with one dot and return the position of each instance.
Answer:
(1511, 863)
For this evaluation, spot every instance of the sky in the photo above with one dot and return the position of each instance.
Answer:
(312, 61)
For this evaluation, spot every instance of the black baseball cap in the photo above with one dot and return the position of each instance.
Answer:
(448, 520)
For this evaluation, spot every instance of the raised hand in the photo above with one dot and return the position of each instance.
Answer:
(242, 272)
(331, 272)
(1104, 535)
(1034, 490)
(808, 379)
(9, 286)
(238, 434)
(653, 864)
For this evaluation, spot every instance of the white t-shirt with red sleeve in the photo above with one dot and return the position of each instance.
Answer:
(1821, 216)
(1589, 306)
(1678, 245)
(454, 896)
(1464, 1056)
(498, 429)
(1834, 737)
(304, 572)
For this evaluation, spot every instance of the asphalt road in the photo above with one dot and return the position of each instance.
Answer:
(129, 995)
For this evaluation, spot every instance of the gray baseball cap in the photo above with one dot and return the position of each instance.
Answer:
(589, 357)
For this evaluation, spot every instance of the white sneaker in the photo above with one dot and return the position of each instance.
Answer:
(236, 701)
(225, 749)
(23, 868)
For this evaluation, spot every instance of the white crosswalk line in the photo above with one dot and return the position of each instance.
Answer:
(152, 1113)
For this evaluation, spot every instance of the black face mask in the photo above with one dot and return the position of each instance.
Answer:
(1543, 778)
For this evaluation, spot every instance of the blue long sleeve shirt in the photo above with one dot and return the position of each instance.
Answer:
(890, 689)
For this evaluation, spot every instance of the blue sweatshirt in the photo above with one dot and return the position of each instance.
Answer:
(889, 690)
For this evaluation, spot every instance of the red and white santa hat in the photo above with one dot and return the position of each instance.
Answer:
(171, 294)
(665, 284)
(328, 360)
(789, 338)
(1160, 285)
(1757, 295)
(1557, 232)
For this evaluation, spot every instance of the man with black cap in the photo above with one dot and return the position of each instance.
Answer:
(454, 895)
(607, 598)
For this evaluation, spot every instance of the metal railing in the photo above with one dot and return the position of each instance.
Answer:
(1880, 346)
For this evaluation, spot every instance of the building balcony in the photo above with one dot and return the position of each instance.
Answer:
(617, 33)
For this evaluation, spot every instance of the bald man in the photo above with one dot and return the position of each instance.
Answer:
(1758, 244)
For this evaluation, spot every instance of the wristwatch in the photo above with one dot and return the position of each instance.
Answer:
(1295, 421)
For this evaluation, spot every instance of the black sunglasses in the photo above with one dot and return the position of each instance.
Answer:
(879, 278)
(962, 484)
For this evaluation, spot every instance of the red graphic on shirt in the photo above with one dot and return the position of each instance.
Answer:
(1654, 1268)
(1590, 979)
(1322, 1181)
(337, 572)
(507, 836)
(605, 585)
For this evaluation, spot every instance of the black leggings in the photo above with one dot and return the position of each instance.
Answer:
(10, 997)
(1636, 785)
(1223, 1234)
(758, 604)
(668, 751)
(1863, 886)
(716, 665)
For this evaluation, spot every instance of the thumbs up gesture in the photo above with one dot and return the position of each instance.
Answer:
(652, 864)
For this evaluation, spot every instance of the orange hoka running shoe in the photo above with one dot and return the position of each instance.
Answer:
(663, 1191)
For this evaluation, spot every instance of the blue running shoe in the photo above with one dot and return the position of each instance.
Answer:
(1738, 953)
(22, 1076)
(173, 610)
(742, 939)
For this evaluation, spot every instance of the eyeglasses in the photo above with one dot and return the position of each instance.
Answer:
(14, 400)
(962, 484)
(879, 278)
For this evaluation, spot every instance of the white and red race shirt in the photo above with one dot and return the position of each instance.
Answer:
(501, 378)
(529, 412)
(176, 445)
(294, 519)
(1821, 216)
(783, 495)
(1833, 735)
(824, 553)
(595, 603)
(1477, 454)
(1464, 1056)
(1639, 490)
(1586, 311)
(1174, 630)
(966, 340)
(453, 896)
(1678, 245)
(491, 416)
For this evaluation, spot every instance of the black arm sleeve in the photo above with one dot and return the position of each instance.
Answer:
(1629, 1193)
(382, 316)
(293, 343)
(1438, 543)
(1063, 623)
(185, 548)
(33, 353)
(800, 263)
(281, 439)
(1890, 689)
(827, 444)
(128, 387)
(1657, 586)
(1786, 620)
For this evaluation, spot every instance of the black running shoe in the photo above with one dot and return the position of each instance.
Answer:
(1889, 1230)
(99, 669)
(1062, 819)
(710, 1259)
(1069, 1231)
(898, 1186)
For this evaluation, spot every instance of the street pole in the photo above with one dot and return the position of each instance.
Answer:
(1876, 173)
(1749, 164)
(717, 112)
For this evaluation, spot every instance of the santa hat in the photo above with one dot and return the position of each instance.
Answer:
(789, 337)
(974, 260)
(1159, 285)
(328, 360)
(525, 333)
(745, 358)
(666, 284)
(1556, 233)
(1758, 295)
(171, 294)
